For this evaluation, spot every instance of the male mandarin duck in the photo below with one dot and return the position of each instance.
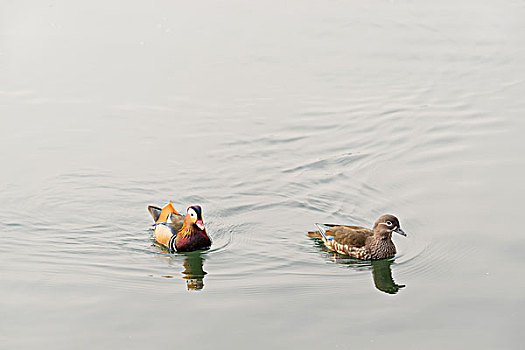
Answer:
(181, 233)
(361, 242)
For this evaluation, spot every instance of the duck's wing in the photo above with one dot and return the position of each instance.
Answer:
(165, 230)
(352, 236)
(327, 231)
(163, 234)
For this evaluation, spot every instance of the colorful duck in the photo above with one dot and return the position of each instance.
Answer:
(177, 232)
(361, 242)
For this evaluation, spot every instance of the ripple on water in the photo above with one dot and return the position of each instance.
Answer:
(265, 191)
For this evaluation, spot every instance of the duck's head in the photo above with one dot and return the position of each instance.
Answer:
(387, 224)
(194, 214)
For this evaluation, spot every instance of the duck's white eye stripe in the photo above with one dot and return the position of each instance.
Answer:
(388, 223)
(192, 212)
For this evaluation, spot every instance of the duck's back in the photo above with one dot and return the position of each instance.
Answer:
(352, 236)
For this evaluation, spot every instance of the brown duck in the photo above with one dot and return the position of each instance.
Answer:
(181, 233)
(361, 242)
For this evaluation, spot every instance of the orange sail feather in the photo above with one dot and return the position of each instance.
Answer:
(167, 210)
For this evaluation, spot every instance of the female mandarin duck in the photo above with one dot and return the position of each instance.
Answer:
(177, 232)
(361, 242)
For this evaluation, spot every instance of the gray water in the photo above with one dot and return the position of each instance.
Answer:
(271, 116)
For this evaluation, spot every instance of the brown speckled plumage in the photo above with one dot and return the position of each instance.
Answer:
(361, 242)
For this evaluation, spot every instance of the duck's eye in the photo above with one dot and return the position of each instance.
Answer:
(192, 213)
(389, 223)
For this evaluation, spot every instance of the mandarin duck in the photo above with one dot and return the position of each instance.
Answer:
(361, 242)
(180, 233)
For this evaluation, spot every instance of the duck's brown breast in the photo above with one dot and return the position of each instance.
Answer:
(380, 248)
(194, 241)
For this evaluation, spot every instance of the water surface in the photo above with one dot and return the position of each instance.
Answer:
(271, 117)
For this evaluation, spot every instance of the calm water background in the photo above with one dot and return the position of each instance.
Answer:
(272, 116)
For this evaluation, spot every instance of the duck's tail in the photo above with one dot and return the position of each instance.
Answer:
(321, 234)
(154, 212)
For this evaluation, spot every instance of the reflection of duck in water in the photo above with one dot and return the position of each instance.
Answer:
(193, 272)
(193, 267)
(381, 269)
(382, 274)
